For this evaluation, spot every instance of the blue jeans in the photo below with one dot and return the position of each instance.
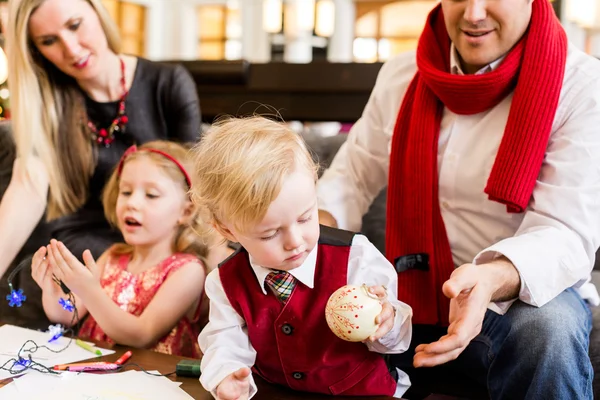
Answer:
(528, 353)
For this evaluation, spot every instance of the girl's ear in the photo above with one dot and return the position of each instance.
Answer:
(188, 212)
(224, 231)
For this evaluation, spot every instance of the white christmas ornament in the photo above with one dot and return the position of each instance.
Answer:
(351, 311)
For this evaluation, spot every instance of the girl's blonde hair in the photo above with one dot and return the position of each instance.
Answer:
(187, 239)
(48, 111)
(240, 165)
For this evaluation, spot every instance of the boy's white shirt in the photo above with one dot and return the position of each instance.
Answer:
(225, 343)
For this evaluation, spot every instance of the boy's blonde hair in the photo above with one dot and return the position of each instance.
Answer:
(47, 108)
(240, 165)
(187, 239)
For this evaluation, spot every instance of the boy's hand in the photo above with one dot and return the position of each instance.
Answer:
(235, 386)
(386, 317)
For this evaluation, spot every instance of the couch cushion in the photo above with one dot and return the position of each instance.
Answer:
(31, 314)
(373, 225)
(7, 155)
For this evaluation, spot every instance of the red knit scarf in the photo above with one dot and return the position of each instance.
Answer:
(534, 70)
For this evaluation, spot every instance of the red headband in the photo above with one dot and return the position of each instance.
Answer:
(134, 149)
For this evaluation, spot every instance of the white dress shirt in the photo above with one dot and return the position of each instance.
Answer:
(553, 243)
(225, 343)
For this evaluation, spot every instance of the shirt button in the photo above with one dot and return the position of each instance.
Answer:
(445, 204)
(287, 329)
(298, 375)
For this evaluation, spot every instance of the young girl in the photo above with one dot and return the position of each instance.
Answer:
(256, 180)
(145, 292)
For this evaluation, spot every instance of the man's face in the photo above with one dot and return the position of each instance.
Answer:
(485, 30)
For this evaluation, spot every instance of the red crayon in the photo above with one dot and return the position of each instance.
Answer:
(123, 358)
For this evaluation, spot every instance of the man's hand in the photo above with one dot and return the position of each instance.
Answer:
(385, 319)
(235, 386)
(325, 218)
(470, 289)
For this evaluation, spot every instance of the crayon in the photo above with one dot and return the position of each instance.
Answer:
(63, 367)
(103, 367)
(88, 347)
(123, 358)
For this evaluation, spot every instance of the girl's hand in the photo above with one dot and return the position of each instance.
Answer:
(235, 386)
(386, 317)
(67, 268)
(41, 271)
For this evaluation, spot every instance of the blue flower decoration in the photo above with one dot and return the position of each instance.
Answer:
(66, 304)
(55, 331)
(22, 362)
(16, 298)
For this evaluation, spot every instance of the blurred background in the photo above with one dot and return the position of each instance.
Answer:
(238, 33)
(297, 31)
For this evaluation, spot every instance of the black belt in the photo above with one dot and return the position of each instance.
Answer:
(391, 366)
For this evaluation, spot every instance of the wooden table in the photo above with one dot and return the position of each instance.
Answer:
(164, 363)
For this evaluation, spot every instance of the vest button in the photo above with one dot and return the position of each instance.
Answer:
(287, 329)
(298, 375)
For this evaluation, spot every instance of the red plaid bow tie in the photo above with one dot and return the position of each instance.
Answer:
(282, 283)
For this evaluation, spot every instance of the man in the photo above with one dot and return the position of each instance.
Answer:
(488, 142)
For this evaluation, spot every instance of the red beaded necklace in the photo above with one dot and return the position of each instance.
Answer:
(106, 136)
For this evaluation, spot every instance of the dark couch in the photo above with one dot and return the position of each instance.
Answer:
(373, 227)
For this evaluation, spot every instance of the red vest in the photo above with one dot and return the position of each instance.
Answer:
(294, 345)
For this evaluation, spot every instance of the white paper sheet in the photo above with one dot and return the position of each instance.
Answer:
(9, 391)
(130, 385)
(12, 338)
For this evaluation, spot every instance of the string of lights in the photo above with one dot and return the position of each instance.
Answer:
(24, 360)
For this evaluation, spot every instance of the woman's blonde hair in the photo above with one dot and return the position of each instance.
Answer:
(187, 239)
(240, 165)
(48, 110)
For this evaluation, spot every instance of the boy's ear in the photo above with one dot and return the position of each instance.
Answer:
(224, 231)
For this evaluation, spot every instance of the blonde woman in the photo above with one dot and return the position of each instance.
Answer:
(77, 104)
